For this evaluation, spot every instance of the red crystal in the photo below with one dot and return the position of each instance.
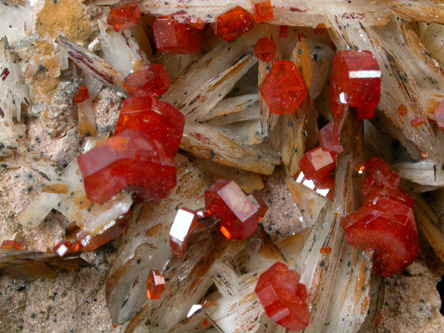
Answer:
(320, 29)
(174, 37)
(123, 17)
(265, 49)
(81, 96)
(324, 186)
(357, 80)
(334, 102)
(283, 297)
(130, 159)
(63, 248)
(151, 80)
(283, 89)
(317, 163)
(283, 31)
(388, 227)
(239, 216)
(233, 24)
(155, 284)
(417, 122)
(439, 116)
(184, 223)
(262, 10)
(372, 190)
(329, 138)
(402, 109)
(260, 205)
(10, 245)
(377, 170)
(160, 120)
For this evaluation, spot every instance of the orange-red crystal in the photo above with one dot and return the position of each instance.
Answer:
(184, 223)
(417, 122)
(317, 163)
(155, 284)
(262, 10)
(63, 248)
(10, 245)
(265, 49)
(233, 24)
(81, 95)
(123, 17)
(151, 80)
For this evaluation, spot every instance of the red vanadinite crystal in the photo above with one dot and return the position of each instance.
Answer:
(130, 159)
(377, 170)
(265, 49)
(356, 81)
(81, 96)
(324, 187)
(329, 138)
(373, 190)
(155, 284)
(320, 29)
(283, 297)
(439, 116)
(160, 120)
(417, 122)
(317, 163)
(239, 216)
(262, 10)
(173, 37)
(283, 31)
(184, 223)
(233, 24)
(63, 248)
(10, 245)
(123, 17)
(151, 80)
(260, 205)
(402, 109)
(283, 89)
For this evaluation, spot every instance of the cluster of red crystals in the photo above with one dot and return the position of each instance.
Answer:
(283, 297)
(171, 36)
(329, 138)
(355, 82)
(81, 95)
(160, 120)
(262, 10)
(10, 245)
(63, 248)
(238, 214)
(233, 24)
(265, 49)
(283, 31)
(283, 89)
(439, 116)
(184, 223)
(151, 80)
(386, 223)
(131, 159)
(123, 17)
(155, 284)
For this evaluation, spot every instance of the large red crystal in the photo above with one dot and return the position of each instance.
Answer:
(160, 120)
(283, 89)
(265, 49)
(10, 245)
(184, 223)
(151, 80)
(131, 159)
(283, 297)
(372, 190)
(239, 216)
(356, 81)
(155, 284)
(262, 10)
(173, 37)
(123, 17)
(317, 163)
(439, 116)
(233, 24)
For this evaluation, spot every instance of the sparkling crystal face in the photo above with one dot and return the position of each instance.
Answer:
(123, 17)
(262, 10)
(265, 49)
(155, 284)
(317, 163)
(184, 223)
(233, 24)
(151, 80)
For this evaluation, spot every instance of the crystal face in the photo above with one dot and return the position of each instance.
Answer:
(81, 96)
(329, 138)
(233, 24)
(239, 216)
(377, 170)
(123, 17)
(317, 163)
(155, 284)
(131, 159)
(356, 81)
(265, 49)
(184, 223)
(262, 10)
(63, 248)
(160, 120)
(173, 37)
(151, 80)
(325, 186)
(283, 89)
(10, 245)
(283, 297)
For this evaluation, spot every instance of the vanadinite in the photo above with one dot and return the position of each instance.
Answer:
(123, 17)
(262, 10)
(151, 80)
(265, 49)
(155, 284)
(283, 297)
(184, 223)
(173, 37)
(81, 95)
(233, 24)
(283, 89)
(317, 163)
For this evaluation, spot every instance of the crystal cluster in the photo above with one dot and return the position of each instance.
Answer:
(233, 24)
(283, 297)
(386, 223)
(123, 16)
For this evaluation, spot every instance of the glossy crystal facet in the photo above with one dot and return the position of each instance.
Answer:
(184, 223)
(155, 284)
(233, 24)
(262, 10)
(124, 16)
(10, 245)
(62, 248)
(265, 49)
(317, 163)
(151, 80)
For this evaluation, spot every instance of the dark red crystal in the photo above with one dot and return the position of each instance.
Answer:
(124, 16)
(81, 95)
(151, 80)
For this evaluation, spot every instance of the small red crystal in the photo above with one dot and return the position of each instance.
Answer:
(155, 284)
(402, 109)
(151, 80)
(81, 96)
(265, 49)
(63, 248)
(262, 10)
(439, 116)
(123, 17)
(10, 245)
(320, 29)
(160, 120)
(260, 205)
(184, 223)
(283, 89)
(317, 163)
(174, 37)
(233, 24)
(329, 138)
(130, 159)
(283, 31)
(417, 122)
(283, 297)
(239, 216)
(377, 170)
